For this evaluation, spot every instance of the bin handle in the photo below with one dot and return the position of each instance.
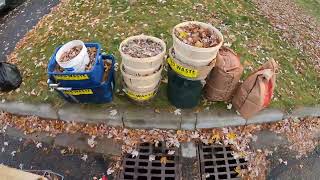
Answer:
(113, 59)
(108, 56)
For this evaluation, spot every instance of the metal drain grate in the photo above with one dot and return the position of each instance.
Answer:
(217, 162)
(140, 168)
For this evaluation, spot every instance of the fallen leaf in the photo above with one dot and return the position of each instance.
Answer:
(39, 145)
(238, 169)
(84, 157)
(91, 142)
(216, 137)
(13, 153)
(152, 158)
(164, 160)
(231, 136)
(134, 153)
(156, 110)
(110, 171)
(171, 152)
(113, 112)
(177, 112)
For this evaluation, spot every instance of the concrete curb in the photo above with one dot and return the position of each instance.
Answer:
(148, 118)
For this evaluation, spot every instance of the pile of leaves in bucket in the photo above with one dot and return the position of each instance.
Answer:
(142, 48)
(70, 54)
(92, 52)
(198, 36)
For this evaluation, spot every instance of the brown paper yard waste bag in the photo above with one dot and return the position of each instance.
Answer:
(256, 91)
(224, 78)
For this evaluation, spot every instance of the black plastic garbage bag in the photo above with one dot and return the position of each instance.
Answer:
(10, 77)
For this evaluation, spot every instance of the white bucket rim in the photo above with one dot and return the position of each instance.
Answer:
(152, 87)
(142, 36)
(144, 72)
(153, 90)
(144, 76)
(59, 52)
(178, 61)
(176, 39)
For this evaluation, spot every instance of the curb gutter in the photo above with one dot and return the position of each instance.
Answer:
(148, 119)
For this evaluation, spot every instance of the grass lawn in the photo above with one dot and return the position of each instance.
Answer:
(109, 22)
(311, 6)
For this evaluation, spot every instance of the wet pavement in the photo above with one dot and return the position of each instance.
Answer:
(24, 154)
(19, 21)
(306, 168)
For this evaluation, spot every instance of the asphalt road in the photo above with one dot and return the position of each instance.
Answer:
(19, 21)
(24, 154)
(306, 168)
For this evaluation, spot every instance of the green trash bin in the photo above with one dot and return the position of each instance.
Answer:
(182, 92)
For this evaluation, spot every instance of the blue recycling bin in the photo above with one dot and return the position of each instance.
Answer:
(101, 93)
(78, 79)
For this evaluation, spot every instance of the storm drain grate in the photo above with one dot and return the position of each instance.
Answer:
(140, 168)
(217, 162)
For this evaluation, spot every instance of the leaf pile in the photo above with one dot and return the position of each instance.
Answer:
(198, 36)
(92, 52)
(238, 137)
(70, 54)
(300, 133)
(297, 27)
(142, 48)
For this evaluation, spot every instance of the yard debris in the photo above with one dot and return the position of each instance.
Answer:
(39, 145)
(152, 157)
(142, 48)
(134, 153)
(91, 142)
(163, 160)
(84, 157)
(171, 152)
(177, 112)
(238, 137)
(113, 112)
(297, 27)
(13, 153)
(70, 54)
(198, 36)
(299, 133)
(110, 171)
(92, 52)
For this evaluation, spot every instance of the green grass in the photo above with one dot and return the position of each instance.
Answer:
(311, 6)
(249, 33)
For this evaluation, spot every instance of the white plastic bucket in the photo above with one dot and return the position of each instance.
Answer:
(192, 55)
(188, 71)
(140, 72)
(141, 96)
(143, 66)
(135, 82)
(142, 89)
(76, 64)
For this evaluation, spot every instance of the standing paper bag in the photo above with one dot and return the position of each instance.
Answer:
(224, 78)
